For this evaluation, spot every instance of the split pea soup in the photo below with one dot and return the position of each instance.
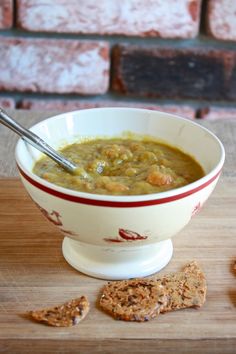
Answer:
(122, 166)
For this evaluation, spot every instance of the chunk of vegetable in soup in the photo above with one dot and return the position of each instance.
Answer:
(122, 167)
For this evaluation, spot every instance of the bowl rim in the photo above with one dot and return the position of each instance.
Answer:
(120, 200)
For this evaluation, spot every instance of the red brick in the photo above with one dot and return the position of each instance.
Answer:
(60, 66)
(7, 103)
(146, 18)
(221, 19)
(69, 105)
(212, 113)
(6, 13)
(200, 73)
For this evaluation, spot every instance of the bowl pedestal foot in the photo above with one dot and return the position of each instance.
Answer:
(115, 263)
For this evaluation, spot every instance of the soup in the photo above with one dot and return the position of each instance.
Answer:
(122, 166)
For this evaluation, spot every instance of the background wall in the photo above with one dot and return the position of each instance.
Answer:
(174, 55)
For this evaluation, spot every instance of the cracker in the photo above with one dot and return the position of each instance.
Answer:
(143, 299)
(193, 267)
(66, 315)
(184, 289)
(133, 300)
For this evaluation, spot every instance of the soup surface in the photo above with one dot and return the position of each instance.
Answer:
(122, 166)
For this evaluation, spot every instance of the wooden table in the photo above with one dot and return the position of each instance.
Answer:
(34, 274)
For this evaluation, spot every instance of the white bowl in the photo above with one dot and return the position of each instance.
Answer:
(118, 237)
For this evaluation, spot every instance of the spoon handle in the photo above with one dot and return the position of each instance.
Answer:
(36, 141)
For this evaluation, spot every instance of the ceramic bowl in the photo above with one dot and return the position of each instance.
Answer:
(118, 237)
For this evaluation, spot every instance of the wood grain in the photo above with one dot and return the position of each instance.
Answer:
(34, 274)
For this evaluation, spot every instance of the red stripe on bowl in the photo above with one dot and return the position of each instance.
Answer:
(114, 204)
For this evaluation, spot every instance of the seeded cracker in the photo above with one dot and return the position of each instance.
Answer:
(133, 300)
(184, 289)
(66, 315)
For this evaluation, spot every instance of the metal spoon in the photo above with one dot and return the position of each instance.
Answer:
(40, 144)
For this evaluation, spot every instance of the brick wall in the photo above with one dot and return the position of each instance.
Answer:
(173, 55)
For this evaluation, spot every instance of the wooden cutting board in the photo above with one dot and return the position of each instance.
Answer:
(34, 274)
